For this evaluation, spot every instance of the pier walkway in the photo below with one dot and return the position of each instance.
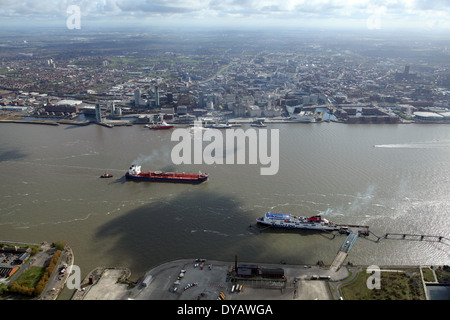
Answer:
(353, 234)
(355, 231)
(413, 237)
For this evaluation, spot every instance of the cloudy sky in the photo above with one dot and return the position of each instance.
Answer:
(374, 14)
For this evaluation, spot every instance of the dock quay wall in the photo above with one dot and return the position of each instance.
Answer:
(44, 122)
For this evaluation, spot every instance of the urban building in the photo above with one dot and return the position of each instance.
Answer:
(137, 98)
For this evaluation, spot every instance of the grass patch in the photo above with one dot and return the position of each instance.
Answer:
(428, 275)
(31, 277)
(394, 286)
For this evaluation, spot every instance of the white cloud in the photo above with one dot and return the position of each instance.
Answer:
(432, 13)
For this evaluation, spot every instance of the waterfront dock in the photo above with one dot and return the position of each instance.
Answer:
(413, 237)
(353, 231)
(74, 122)
(163, 282)
(348, 228)
(44, 122)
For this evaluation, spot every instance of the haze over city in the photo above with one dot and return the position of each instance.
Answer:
(419, 15)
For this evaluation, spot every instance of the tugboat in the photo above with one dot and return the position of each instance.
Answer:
(106, 175)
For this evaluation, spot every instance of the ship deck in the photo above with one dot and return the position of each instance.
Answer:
(168, 177)
(175, 175)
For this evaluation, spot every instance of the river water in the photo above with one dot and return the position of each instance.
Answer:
(394, 178)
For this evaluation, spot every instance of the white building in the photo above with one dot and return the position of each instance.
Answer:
(428, 116)
(254, 111)
(69, 102)
(270, 111)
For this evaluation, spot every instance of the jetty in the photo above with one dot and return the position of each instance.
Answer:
(43, 122)
(413, 237)
(353, 231)
(74, 122)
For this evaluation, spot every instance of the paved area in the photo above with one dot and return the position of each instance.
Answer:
(338, 261)
(303, 289)
(207, 283)
(57, 280)
(337, 285)
(107, 287)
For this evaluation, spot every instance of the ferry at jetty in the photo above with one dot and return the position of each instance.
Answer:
(294, 222)
(159, 126)
(135, 173)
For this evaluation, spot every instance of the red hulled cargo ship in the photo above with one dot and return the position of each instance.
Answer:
(135, 173)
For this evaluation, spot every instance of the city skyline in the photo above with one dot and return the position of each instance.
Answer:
(418, 15)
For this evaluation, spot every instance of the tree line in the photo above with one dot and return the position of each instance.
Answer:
(35, 291)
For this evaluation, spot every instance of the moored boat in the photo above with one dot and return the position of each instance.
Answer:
(159, 126)
(290, 221)
(258, 124)
(221, 126)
